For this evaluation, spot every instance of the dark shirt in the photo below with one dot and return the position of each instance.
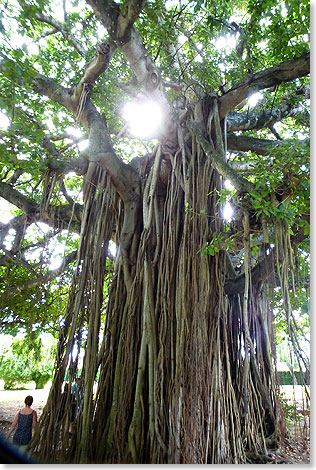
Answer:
(23, 433)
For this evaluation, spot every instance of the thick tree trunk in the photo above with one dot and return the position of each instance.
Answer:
(185, 371)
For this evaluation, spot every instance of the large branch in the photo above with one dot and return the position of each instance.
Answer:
(14, 258)
(128, 15)
(252, 121)
(100, 147)
(263, 146)
(118, 21)
(48, 87)
(56, 216)
(119, 24)
(95, 68)
(100, 150)
(15, 224)
(28, 206)
(284, 72)
(40, 84)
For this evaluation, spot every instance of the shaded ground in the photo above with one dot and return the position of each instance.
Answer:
(294, 450)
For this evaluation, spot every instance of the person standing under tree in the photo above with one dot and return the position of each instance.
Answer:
(24, 421)
(76, 392)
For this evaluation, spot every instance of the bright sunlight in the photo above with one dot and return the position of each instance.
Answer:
(143, 118)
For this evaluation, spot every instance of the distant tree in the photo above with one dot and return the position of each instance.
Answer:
(178, 319)
(13, 370)
(26, 362)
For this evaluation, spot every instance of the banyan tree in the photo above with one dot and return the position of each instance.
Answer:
(177, 323)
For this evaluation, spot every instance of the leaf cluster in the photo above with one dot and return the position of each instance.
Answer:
(28, 359)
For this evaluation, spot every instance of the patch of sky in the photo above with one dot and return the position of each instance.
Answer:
(74, 131)
(57, 253)
(228, 211)
(50, 125)
(283, 10)
(112, 248)
(222, 67)
(101, 31)
(22, 156)
(6, 211)
(263, 45)
(300, 136)
(182, 39)
(81, 63)
(4, 121)
(253, 99)
(9, 239)
(289, 133)
(228, 185)
(33, 49)
(83, 145)
(265, 22)
(227, 42)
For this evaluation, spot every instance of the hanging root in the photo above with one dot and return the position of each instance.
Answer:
(185, 372)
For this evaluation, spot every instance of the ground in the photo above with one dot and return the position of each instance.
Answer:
(294, 450)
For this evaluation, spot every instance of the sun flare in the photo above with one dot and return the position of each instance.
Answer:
(144, 118)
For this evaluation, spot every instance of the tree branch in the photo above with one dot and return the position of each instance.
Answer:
(17, 199)
(62, 215)
(16, 259)
(100, 150)
(263, 146)
(15, 223)
(96, 67)
(63, 30)
(119, 25)
(39, 83)
(100, 147)
(251, 121)
(129, 14)
(220, 164)
(283, 72)
(260, 272)
(40, 280)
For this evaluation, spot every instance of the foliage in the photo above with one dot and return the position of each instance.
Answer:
(27, 360)
(289, 410)
(158, 328)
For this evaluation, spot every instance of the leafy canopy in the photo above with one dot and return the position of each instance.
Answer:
(199, 47)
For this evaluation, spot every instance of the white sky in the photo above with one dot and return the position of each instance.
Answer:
(5, 211)
(253, 99)
(4, 121)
